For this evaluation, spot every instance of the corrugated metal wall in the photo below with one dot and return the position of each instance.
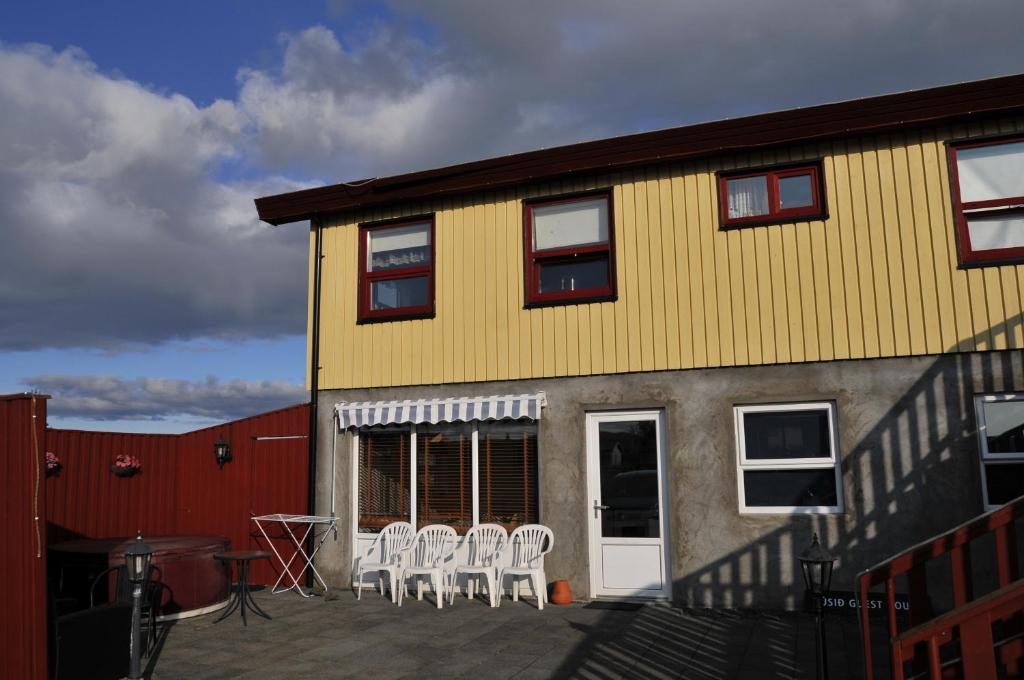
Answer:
(23, 567)
(180, 490)
(878, 278)
(213, 501)
(86, 500)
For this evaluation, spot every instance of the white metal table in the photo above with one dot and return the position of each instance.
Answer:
(317, 526)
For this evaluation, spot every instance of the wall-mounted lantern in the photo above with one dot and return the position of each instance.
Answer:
(222, 451)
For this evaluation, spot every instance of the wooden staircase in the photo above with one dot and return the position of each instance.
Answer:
(980, 637)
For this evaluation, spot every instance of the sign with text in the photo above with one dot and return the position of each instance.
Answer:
(846, 600)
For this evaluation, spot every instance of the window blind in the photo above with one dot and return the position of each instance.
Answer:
(508, 473)
(563, 225)
(444, 480)
(383, 478)
(991, 172)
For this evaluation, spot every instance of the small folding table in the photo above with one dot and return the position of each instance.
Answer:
(318, 527)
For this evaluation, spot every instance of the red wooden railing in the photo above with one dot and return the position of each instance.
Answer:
(919, 642)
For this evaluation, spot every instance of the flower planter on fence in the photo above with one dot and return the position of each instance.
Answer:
(125, 465)
(53, 464)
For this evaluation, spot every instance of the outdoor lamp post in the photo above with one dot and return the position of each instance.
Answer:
(137, 559)
(222, 451)
(816, 563)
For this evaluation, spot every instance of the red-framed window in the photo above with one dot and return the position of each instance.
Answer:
(988, 200)
(751, 198)
(570, 253)
(396, 269)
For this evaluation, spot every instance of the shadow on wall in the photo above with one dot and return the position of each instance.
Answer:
(909, 481)
(912, 475)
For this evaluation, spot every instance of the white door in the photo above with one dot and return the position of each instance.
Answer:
(625, 480)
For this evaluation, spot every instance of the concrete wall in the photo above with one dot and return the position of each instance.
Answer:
(907, 441)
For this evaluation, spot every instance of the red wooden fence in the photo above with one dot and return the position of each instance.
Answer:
(23, 567)
(982, 638)
(181, 489)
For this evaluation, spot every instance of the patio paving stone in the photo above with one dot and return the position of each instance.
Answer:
(346, 638)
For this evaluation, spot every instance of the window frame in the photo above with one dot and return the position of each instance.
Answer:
(413, 431)
(773, 173)
(533, 259)
(366, 278)
(967, 257)
(743, 464)
(985, 458)
(358, 469)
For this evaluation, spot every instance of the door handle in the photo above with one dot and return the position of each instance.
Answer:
(598, 508)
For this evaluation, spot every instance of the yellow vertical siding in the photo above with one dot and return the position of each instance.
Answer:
(878, 277)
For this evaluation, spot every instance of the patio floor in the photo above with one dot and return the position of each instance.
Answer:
(343, 638)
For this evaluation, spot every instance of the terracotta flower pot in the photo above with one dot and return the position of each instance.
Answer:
(560, 592)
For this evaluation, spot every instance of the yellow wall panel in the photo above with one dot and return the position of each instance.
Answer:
(888, 219)
(748, 282)
(669, 256)
(646, 280)
(658, 279)
(836, 278)
(849, 245)
(808, 309)
(625, 209)
(879, 259)
(764, 300)
(878, 277)
(862, 242)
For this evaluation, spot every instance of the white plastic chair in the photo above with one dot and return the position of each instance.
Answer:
(485, 543)
(389, 546)
(529, 543)
(431, 547)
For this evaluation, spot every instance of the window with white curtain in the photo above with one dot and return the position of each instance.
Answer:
(988, 198)
(396, 278)
(771, 196)
(748, 196)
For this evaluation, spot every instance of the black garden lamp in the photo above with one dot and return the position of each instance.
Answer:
(222, 451)
(137, 559)
(816, 564)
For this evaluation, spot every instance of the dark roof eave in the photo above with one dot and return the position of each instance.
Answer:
(944, 104)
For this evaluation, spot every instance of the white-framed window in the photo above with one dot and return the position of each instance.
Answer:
(459, 474)
(1001, 443)
(787, 457)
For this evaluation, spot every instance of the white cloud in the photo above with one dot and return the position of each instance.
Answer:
(489, 78)
(119, 226)
(116, 230)
(335, 110)
(106, 397)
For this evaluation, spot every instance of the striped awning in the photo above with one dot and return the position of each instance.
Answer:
(453, 410)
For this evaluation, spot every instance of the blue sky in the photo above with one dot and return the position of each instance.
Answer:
(138, 287)
(192, 47)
